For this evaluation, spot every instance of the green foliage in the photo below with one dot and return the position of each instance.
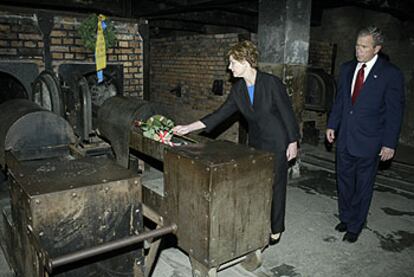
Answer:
(156, 124)
(87, 32)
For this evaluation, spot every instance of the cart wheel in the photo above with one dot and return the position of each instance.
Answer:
(200, 270)
(253, 260)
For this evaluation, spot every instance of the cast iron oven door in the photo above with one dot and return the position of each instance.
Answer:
(320, 90)
(76, 108)
(16, 78)
(46, 93)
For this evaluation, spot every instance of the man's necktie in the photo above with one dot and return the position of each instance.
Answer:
(358, 83)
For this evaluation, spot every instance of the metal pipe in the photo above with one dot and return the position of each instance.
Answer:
(107, 247)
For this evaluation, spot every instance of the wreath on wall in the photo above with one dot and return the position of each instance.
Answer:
(88, 29)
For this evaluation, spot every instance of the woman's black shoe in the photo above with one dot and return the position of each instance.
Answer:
(273, 241)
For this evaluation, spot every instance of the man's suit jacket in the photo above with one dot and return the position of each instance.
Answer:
(375, 118)
(271, 122)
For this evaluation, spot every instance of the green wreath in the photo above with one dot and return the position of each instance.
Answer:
(87, 32)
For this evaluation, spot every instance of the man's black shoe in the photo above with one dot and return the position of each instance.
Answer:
(350, 237)
(341, 227)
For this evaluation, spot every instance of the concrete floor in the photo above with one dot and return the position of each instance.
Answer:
(311, 247)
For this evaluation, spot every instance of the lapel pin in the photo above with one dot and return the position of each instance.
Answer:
(375, 76)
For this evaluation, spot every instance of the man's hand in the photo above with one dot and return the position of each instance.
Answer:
(292, 151)
(330, 135)
(386, 153)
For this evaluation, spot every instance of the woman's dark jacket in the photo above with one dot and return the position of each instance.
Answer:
(271, 122)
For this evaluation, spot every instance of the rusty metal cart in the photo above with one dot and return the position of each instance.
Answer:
(217, 192)
(66, 216)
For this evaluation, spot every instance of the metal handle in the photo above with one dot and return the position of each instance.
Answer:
(53, 263)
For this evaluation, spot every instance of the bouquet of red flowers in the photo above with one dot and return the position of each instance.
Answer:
(158, 128)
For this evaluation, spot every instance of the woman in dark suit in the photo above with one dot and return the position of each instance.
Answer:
(272, 126)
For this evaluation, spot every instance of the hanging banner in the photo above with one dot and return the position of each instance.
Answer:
(100, 50)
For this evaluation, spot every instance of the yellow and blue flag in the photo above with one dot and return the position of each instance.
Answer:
(100, 50)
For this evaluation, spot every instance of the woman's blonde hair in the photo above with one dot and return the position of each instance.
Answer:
(244, 50)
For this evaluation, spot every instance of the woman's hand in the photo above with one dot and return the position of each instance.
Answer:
(182, 130)
(292, 151)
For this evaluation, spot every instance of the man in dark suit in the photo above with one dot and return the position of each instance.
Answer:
(263, 101)
(365, 121)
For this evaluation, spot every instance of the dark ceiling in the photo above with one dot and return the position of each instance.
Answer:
(204, 16)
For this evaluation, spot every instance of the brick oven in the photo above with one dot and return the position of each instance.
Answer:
(320, 90)
(42, 58)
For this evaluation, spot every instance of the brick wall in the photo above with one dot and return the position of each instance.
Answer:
(320, 119)
(193, 63)
(21, 39)
(322, 55)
